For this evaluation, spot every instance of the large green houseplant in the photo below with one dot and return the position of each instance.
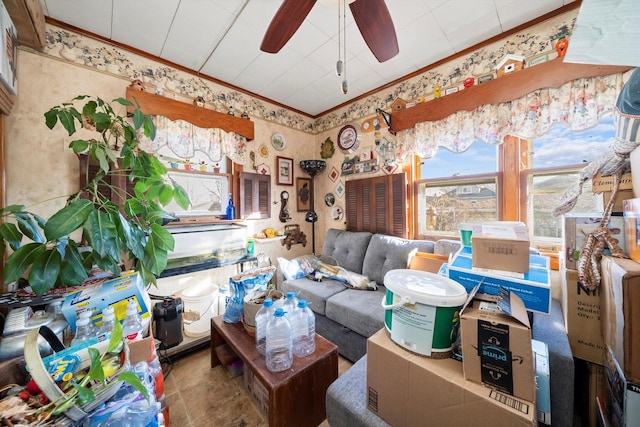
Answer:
(51, 257)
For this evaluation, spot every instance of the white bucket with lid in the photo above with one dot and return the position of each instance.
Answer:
(200, 305)
(422, 310)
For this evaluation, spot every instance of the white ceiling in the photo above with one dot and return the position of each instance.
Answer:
(221, 39)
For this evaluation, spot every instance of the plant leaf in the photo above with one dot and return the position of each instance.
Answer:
(51, 117)
(115, 342)
(123, 101)
(12, 209)
(102, 121)
(18, 262)
(68, 219)
(102, 235)
(180, 196)
(10, 233)
(85, 394)
(95, 372)
(79, 145)
(89, 108)
(149, 128)
(29, 227)
(166, 194)
(135, 382)
(138, 119)
(162, 237)
(73, 271)
(155, 257)
(134, 237)
(67, 120)
(44, 271)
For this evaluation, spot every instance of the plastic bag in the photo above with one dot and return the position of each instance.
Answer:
(239, 285)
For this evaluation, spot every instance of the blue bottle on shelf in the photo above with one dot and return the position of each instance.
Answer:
(231, 210)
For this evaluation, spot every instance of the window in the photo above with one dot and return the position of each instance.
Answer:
(520, 180)
(552, 164)
(459, 187)
(255, 196)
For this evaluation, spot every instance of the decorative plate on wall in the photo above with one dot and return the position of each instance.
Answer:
(337, 213)
(349, 137)
(263, 150)
(329, 199)
(278, 141)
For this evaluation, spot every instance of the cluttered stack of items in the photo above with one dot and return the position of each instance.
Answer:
(83, 356)
(475, 315)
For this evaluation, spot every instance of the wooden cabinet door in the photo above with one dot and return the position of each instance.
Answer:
(377, 205)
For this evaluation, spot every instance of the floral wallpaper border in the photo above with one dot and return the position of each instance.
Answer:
(536, 41)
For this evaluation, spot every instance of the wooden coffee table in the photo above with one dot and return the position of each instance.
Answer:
(295, 397)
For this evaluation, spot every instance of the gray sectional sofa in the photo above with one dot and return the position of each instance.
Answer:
(347, 317)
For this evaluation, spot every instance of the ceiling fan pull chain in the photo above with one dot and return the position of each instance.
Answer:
(345, 84)
(339, 64)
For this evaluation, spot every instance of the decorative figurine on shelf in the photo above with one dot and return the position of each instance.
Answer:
(203, 166)
(137, 84)
(245, 115)
(231, 210)
(468, 82)
(230, 111)
(561, 46)
(284, 207)
(437, 91)
(198, 101)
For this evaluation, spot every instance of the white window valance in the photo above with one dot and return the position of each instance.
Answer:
(183, 139)
(578, 104)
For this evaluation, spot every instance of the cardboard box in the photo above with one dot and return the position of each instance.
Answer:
(534, 287)
(577, 226)
(581, 312)
(108, 292)
(501, 246)
(624, 395)
(620, 294)
(601, 183)
(427, 262)
(543, 381)
(632, 236)
(406, 389)
(496, 346)
(618, 204)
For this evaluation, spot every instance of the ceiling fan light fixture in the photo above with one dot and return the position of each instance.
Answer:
(345, 86)
(339, 67)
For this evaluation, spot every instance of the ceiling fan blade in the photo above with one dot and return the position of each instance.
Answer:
(375, 25)
(285, 23)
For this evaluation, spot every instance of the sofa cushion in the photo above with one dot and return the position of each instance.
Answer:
(389, 253)
(446, 247)
(315, 293)
(348, 248)
(360, 311)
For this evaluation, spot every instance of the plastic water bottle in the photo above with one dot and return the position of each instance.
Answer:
(262, 318)
(304, 330)
(83, 331)
(93, 329)
(279, 350)
(108, 321)
(132, 329)
(290, 303)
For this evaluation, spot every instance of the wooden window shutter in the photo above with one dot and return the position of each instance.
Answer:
(377, 205)
(255, 196)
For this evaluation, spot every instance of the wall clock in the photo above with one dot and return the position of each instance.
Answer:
(349, 137)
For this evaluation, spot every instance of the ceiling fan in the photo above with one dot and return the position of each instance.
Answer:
(371, 16)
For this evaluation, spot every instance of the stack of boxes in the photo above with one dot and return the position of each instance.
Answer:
(496, 382)
(600, 322)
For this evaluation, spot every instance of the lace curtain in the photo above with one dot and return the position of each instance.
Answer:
(184, 139)
(578, 104)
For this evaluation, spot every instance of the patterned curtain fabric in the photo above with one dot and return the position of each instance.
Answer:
(578, 104)
(184, 139)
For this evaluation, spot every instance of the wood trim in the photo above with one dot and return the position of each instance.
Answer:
(551, 74)
(153, 104)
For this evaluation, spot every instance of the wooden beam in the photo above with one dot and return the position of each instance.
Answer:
(153, 104)
(551, 74)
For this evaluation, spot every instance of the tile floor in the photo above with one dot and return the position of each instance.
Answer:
(198, 395)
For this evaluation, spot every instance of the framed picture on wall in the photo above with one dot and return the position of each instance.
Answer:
(284, 169)
(303, 194)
